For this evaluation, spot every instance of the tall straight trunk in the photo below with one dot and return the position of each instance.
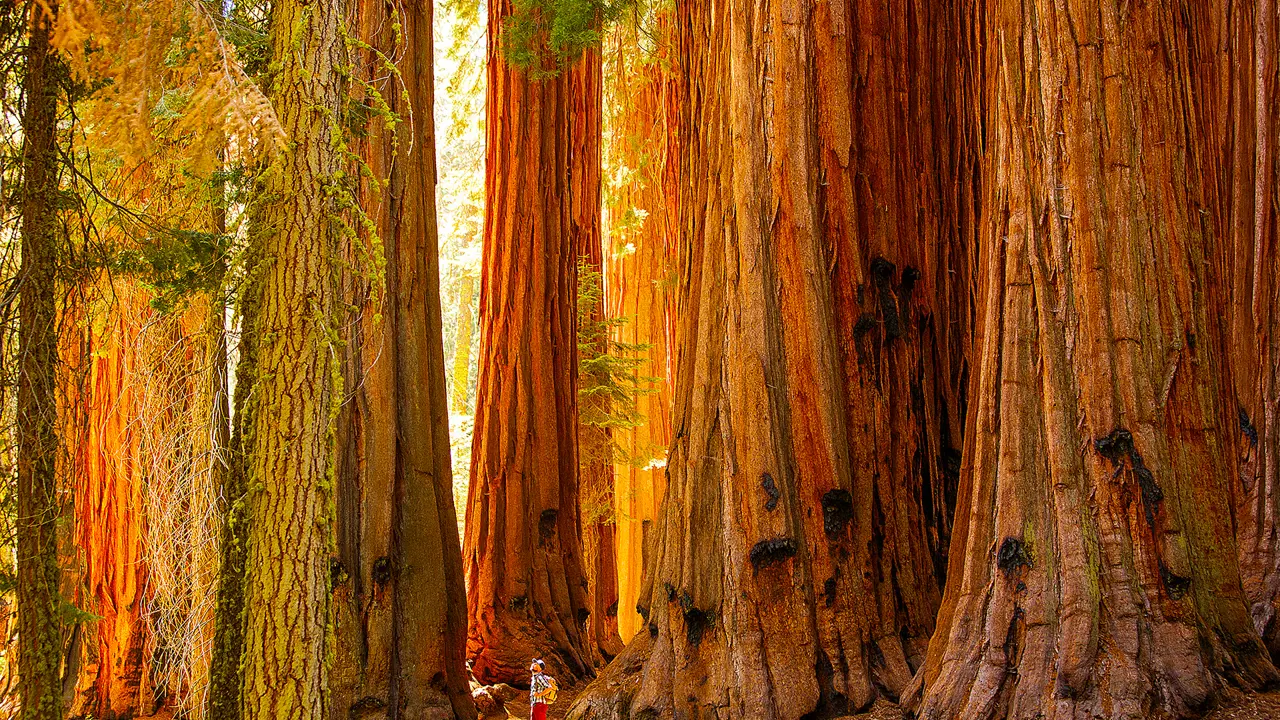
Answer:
(399, 594)
(225, 674)
(289, 447)
(527, 594)
(1093, 571)
(792, 573)
(38, 601)
(640, 264)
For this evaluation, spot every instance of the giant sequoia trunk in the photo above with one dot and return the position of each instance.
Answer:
(38, 602)
(792, 572)
(289, 448)
(526, 589)
(1093, 570)
(398, 592)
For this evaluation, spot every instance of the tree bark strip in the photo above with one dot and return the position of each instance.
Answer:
(1093, 571)
(38, 599)
(290, 448)
(399, 592)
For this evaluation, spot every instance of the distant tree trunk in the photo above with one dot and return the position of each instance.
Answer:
(38, 601)
(462, 350)
(640, 268)
(106, 464)
(527, 593)
(399, 593)
(1093, 571)
(225, 674)
(595, 442)
(792, 573)
(289, 447)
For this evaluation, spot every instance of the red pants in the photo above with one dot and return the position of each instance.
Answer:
(540, 712)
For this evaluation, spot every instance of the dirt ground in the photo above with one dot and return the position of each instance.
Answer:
(1265, 706)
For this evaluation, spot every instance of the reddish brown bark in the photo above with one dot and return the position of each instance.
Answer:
(792, 573)
(1093, 571)
(398, 594)
(526, 590)
(1245, 51)
(109, 522)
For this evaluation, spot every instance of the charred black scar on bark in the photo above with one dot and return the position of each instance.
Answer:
(882, 275)
(773, 551)
(1117, 447)
(837, 511)
(771, 490)
(1012, 556)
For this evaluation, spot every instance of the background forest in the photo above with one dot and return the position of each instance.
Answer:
(746, 360)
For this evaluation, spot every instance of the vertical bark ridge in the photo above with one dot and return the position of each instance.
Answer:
(1093, 570)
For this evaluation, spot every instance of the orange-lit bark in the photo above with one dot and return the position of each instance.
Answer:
(398, 592)
(139, 468)
(109, 523)
(526, 590)
(639, 251)
(595, 442)
(1093, 571)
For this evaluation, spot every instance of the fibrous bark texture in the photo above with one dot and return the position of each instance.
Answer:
(38, 601)
(792, 570)
(1245, 51)
(1093, 570)
(398, 585)
(639, 247)
(140, 467)
(526, 589)
(289, 448)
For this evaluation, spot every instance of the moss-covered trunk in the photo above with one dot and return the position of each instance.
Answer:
(289, 446)
(39, 602)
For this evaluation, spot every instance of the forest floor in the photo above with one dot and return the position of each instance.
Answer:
(1265, 706)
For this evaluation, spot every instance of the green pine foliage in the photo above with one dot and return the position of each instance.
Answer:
(546, 35)
(611, 375)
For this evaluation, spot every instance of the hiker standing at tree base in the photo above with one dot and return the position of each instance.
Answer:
(542, 690)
